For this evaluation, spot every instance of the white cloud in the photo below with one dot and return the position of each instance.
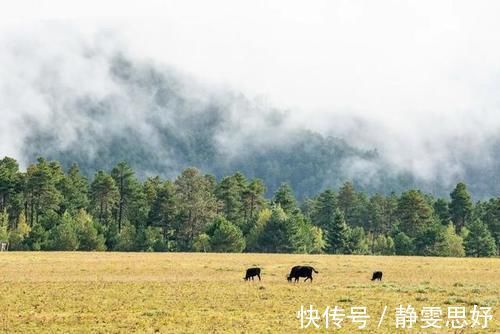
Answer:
(419, 78)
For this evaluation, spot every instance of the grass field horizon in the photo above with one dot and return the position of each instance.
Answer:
(80, 292)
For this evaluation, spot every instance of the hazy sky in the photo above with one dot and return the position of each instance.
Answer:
(419, 80)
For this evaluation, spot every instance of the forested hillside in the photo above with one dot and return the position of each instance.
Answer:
(161, 122)
(49, 208)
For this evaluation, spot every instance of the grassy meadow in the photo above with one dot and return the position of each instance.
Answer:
(205, 293)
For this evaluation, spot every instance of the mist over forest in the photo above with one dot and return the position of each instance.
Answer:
(96, 105)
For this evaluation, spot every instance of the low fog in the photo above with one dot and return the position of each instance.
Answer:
(417, 82)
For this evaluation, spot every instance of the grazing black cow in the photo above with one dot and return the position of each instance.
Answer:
(251, 272)
(301, 271)
(377, 275)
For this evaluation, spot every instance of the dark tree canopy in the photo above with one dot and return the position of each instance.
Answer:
(48, 208)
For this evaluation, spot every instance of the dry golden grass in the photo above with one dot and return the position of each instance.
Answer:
(205, 293)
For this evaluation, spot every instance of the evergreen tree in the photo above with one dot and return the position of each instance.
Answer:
(414, 213)
(4, 222)
(352, 205)
(357, 243)
(88, 236)
(302, 233)
(285, 198)
(253, 202)
(230, 193)
(490, 215)
(129, 206)
(253, 236)
(277, 233)
(9, 181)
(104, 197)
(197, 206)
(479, 242)
(324, 209)
(384, 245)
(202, 243)
(18, 234)
(74, 189)
(429, 241)
(460, 206)
(403, 245)
(151, 187)
(381, 212)
(37, 238)
(225, 236)
(127, 239)
(42, 194)
(150, 239)
(336, 234)
(453, 244)
(63, 237)
(318, 240)
(164, 212)
(442, 211)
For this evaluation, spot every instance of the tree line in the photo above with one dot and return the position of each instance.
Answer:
(48, 208)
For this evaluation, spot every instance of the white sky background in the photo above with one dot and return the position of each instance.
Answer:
(420, 78)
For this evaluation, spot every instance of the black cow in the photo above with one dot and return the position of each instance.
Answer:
(301, 271)
(377, 275)
(251, 272)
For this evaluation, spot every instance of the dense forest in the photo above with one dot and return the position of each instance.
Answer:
(161, 121)
(48, 208)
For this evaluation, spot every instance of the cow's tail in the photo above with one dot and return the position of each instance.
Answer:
(317, 272)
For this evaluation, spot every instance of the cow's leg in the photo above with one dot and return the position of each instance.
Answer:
(311, 278)
(258, 275)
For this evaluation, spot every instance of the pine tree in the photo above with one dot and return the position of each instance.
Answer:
(442, 211)
(63, 237)
(89, 238)
(348, 201)
(41, 191)
(357, 243)
(384, 245)
(230, 193)
(336, 234)
(4, 222)
(479, 242)
(285, 198)
(202, 243)
(453, 244)
(414, 213)
(130, 196)
(277, 234)
(225, 236)
(254, 235)
(324, 209)
(18, 235)
(460, 206)
(403, 245)
(253, 202)
(104, 197)
(9, 171)
(197, 206)
(164, 212)
(74, 189)
(127, 238)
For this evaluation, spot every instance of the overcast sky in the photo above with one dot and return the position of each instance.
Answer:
(423, 76)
